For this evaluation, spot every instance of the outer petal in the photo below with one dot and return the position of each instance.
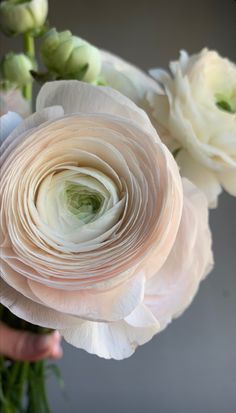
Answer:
(203, 178)
(8, 123)
(32, 311)
(75, 96)
(116, 340)
(92, 304)
(170, 292)
(17, 133)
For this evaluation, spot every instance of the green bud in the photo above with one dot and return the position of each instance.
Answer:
(21, 16)
(70, 57)
(15, 68)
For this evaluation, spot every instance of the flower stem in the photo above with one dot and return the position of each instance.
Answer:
(29, 50)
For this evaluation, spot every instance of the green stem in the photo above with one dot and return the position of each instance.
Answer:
(29, 50)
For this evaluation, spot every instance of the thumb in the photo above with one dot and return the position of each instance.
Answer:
(26, 346)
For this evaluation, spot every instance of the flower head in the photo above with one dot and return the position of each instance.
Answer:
(95, 222)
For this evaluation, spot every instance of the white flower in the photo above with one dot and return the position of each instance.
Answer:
(99, 237)
(198, 112)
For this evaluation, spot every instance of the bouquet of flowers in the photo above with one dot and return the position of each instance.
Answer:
(105, 193)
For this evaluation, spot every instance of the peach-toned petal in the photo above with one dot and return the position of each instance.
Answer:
(75, 96)
(31, 311)
(173, 288)
(107, 305)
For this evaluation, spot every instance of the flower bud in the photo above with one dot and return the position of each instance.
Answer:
(15, 68)
(21, 16)
(69, 56)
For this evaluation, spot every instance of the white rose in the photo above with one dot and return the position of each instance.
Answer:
(95, 230)
(198, 112)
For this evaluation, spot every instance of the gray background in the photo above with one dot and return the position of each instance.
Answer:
(191, 366)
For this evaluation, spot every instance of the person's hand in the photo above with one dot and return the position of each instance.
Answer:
(26, 346)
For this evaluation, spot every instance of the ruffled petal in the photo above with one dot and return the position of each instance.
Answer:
(173, 288)
(75, 96)
(116, 340)
(21, 127)
(32, 311)
(92, 304)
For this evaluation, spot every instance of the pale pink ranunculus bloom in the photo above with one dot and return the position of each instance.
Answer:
(100, 238)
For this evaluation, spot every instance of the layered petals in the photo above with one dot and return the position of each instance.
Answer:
(197, 109)
(91, 205)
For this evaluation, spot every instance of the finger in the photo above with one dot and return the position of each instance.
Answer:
(26, 346)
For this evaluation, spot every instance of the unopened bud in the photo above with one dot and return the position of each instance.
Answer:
(15, 68)
(21, 16)
(70, 57)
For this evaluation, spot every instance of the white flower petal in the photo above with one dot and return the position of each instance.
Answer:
(202, 177)
(32, 311)
(75, 96)
(117, 340)
(92, 304)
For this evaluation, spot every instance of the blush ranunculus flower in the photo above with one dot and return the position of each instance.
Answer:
(99, 236)
(198, 114)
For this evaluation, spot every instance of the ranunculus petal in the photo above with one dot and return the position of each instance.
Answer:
(32, 311)
(8, 123)
(173, 288)
(202, 177)
(75, 96)
(17, 132)
(117, 340)
(92, 304)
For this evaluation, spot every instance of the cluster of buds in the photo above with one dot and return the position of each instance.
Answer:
(64, 55)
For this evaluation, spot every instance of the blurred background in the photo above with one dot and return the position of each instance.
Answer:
(191, 366)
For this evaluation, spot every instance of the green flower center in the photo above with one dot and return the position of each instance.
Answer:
(228, 104)
(83, 202)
